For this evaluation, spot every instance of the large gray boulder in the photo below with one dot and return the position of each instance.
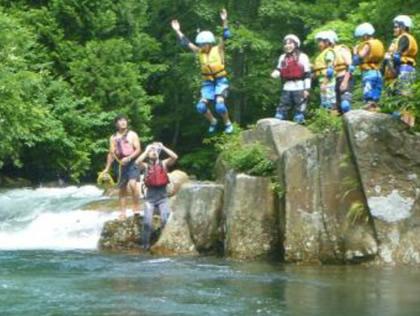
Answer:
(126, 234)
(175, 238)
(326, 219)
(204, 216)
(195, 223)
(277, 135)
(387, 155)
(251, 218)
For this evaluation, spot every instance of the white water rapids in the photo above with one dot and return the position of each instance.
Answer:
(50, 218)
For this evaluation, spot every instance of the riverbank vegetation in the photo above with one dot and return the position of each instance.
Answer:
(68, 67)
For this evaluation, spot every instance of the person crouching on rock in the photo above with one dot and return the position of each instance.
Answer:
(123, 149)
(215, 85)
(294, 69)
(156, 179)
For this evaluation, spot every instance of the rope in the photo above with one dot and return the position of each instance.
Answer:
(105, 180)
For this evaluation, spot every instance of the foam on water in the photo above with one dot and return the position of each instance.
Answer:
(50, 218)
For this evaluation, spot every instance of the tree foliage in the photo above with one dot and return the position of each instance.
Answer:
(67, 67)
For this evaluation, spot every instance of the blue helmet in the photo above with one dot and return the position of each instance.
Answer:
(364, 29)
(205, 37)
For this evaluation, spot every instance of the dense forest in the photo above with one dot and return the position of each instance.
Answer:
(69, 66)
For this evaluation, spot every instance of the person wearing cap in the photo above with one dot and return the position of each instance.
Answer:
(323, 69)
(368, 55)
(294, 70)
(214, 88)
(400, 59)
(124, 148)
(344, 79)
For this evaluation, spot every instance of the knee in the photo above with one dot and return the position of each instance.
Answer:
(345, 106)
(220, 105)
(201, 106)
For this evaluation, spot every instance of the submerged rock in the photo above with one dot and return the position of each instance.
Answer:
(14, 183)
(388, 159)
(106, 205)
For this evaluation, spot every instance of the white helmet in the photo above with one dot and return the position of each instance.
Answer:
(325, 36)
(205, 37)
(404, 20)
(334, 36)
(364, 29)
(293, 38)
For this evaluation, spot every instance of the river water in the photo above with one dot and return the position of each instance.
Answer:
(49, 266)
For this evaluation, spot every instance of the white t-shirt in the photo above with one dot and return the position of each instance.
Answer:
(296, 85)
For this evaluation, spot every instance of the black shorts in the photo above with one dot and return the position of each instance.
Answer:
(129, 172)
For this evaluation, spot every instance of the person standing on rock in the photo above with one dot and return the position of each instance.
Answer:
(214, 88)
(124, 148)
(368, 55)
(399, 66)
(400, 59)
(324, 70)
(156, 180)
(344, 78)
(294, 69)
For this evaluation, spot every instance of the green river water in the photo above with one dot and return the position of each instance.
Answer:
(49, 266)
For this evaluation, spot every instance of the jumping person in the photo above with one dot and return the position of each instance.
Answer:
(124, 147)
(214, 88)
(368, 55)
(156, 179)
(344, 78)
(294, 69)
(324, 70)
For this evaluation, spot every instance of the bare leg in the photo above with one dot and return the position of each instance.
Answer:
(225, 117)
(135, 195)
(210, 117)
(122, 201)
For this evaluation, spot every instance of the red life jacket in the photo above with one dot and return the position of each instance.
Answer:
(156, 175)
(123, 147)
(291, 69)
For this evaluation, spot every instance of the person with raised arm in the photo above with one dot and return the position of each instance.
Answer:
(156, 180)
(215, 85)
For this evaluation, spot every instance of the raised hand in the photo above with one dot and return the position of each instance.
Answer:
(175, 25)
(223, 15)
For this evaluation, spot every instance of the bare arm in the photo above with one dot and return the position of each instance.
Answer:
(226, 32)
(182, 38)
(140, 160)
(110, 157)
(364, 51)
(172, 157)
